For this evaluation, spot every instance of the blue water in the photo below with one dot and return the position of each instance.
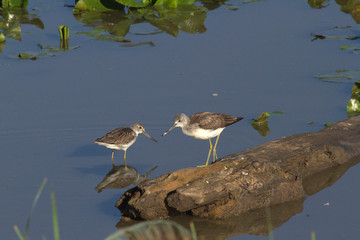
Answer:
(257, 58)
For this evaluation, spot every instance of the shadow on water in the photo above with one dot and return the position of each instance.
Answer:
(121, 177)
(257, 222)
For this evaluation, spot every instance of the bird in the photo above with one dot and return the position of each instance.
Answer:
(122, 138)
(204, 125)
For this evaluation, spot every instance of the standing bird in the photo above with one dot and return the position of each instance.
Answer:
(204, 125)
(122, 138)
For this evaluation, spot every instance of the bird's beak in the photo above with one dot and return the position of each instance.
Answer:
(168, 131)
(146, 134)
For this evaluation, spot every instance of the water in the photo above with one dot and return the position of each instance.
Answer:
(257, 58)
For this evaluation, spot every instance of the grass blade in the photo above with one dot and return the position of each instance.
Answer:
(18, 233)
(313, 236)
(54, 216)
(36, 199)
(269, 223)
(193, 230)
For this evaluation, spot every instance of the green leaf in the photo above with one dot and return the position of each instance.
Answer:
(54, 216)
(313, 237)
(262, 118)
(355, 91)
(173, 3)
(36, 199)
(14, 3)
(64, 32)
(2, 37)
(97, 5)
(135, 3)
(353, 106)
(26, 56)
(18, 233)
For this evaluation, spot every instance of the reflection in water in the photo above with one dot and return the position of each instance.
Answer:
(350, 7)
(188, 19)
(318, 181)
(263, 129)
(12, 19)
(253, 222)
(122, 176)
(256, 222)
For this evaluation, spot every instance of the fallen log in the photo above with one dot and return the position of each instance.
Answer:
(270, 174)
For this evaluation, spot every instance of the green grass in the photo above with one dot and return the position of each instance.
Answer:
(54, 215)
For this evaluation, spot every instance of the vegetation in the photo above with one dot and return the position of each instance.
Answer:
(120, 4)
(54, 215)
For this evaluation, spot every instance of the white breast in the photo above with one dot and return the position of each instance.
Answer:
(202, 133)
(117, 146)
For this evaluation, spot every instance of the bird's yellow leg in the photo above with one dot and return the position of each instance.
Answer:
(207, 160)
(112, 157)
(214, 149)
(125, 157)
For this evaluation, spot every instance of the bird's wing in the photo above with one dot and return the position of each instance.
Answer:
(209, 120)
(118, 136)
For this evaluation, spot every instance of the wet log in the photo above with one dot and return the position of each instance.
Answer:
(272, 173)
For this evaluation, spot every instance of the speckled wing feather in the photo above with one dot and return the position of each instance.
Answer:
(122, 135)
(209, 120)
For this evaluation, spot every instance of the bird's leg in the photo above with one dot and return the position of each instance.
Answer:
(125, 157)
(214, 149)
(112, 157)
(207, 160)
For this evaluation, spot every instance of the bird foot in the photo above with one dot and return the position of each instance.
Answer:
(202, 166)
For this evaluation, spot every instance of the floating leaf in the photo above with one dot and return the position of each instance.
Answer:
(14, 3)
(353, 107)
(317, 3)
(173, 3)
(340, 76)
(97, 5)
(355, 91)
(24, 56)
(262, 118)
(355, 13)
(2, 38)
(151, 44)
(135, 3)
(353, 48)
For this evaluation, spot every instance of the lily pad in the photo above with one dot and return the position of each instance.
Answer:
(2, 38)
(355, 91)
(14, 3)
(97, 5)
(135, 3)
(353, 106)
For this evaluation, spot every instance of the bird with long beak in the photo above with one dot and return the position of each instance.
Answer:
(122, 138)
(204, 125)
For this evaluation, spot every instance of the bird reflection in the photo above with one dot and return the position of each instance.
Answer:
(122, 176)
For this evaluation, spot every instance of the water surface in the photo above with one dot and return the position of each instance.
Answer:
(257, 58)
